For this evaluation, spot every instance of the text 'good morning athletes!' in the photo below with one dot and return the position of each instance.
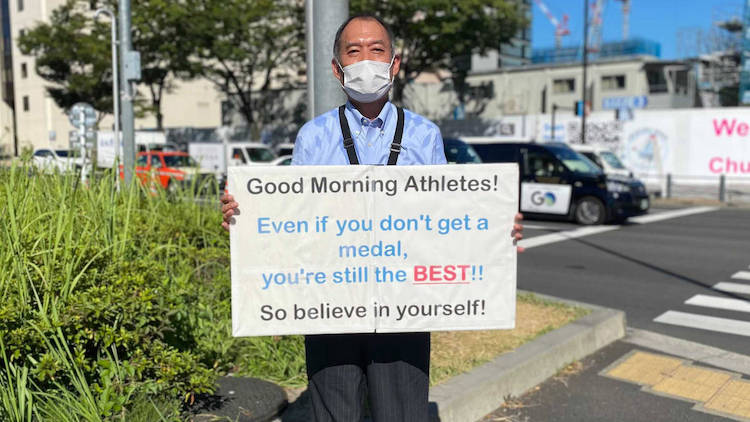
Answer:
(325, 184)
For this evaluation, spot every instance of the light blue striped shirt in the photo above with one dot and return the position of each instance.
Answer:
(320, 142)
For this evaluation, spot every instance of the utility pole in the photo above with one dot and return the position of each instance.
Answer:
(130, 72)
(322, 19)
(585, 66)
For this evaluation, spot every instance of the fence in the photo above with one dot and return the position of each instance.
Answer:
(723, 188)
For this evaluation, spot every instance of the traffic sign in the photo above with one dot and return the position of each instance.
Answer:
(616, 103)
(82, 114)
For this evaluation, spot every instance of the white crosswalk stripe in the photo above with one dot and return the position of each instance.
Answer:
(713, 323)
(719, 303)
(705, 322)
(726, 286)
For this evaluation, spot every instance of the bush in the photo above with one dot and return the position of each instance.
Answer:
(111, 296)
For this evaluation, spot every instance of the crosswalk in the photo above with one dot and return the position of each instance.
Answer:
(739, 287)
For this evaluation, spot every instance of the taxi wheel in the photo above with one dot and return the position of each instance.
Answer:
(589, 211)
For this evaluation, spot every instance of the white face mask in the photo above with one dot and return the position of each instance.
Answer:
(367, 81)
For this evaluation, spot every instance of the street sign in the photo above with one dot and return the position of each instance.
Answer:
(617, 103)
(82, 114)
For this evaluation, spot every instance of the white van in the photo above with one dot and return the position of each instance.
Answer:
(604, 158)
(213, 157)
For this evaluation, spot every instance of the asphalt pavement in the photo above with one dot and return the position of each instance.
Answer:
(682, 276)
(692, 270)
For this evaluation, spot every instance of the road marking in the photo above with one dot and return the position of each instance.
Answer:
(705, 322)
(666, 215)
(537, 227)
(546, 239)
(719, 303)
(742, 275)
(725, 286)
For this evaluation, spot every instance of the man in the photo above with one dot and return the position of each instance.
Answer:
(368, 129)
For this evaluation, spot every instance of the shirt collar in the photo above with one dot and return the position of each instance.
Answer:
(379, 121)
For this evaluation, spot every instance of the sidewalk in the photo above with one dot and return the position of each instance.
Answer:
(628, 381)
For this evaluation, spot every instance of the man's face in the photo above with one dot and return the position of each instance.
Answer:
(364, 39)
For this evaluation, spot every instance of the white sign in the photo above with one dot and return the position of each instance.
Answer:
(344, 249)
(545, 198)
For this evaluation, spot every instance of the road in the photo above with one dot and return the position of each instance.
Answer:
(685, 270)
(683, 279)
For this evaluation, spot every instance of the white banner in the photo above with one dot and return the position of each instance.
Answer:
(344, 249)
(545, 198)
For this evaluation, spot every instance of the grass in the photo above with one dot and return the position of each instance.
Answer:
(457, 352)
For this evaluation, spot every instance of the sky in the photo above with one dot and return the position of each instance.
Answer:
(664, 21)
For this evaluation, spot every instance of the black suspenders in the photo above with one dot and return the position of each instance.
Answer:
(349, 142)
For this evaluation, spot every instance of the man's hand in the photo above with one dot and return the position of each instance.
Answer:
(228, 209)
(517, 232)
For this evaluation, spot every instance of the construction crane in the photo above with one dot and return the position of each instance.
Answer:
(625, 19)
(561, 28)
(595, 25)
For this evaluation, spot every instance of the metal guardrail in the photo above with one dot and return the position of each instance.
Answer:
(723, 188)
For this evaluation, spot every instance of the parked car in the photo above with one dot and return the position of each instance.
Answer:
(284, 160)
(459, 152)
(215, 157)
(605, 159)
(170, 170)
(56, 160)
(285, 148)
(558, 182)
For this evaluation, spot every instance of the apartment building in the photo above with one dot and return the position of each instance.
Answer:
(39, 122)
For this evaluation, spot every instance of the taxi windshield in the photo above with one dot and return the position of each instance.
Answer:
(612, 160)
(575, 161)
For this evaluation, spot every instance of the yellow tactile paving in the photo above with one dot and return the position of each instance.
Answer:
(692, 383)
(733, 399)
(645, 368)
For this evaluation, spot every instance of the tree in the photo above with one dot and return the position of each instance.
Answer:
(442, 34)
(73, 52)
(251, 50)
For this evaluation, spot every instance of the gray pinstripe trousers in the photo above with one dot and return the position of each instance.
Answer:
(392, 368)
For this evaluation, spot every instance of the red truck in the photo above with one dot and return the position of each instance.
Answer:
(170, 170)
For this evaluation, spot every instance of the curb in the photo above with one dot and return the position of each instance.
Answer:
(470, 396)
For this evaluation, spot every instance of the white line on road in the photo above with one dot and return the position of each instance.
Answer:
(546, 239)
(742, 275)
(538, 227)
(666, 215)
(704, 322)
(719, 303)
(587, 231)
(725, 286)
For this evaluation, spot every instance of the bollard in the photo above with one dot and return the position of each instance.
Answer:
(669, 185)
(722, 188)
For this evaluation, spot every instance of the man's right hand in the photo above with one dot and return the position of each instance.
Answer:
(228, 209)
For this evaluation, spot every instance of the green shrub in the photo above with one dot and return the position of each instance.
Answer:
(111, 296)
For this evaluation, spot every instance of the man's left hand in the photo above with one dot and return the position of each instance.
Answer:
(517, 232)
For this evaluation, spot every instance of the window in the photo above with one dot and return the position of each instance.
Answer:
(563, 86)
(155, 161)
(681, 82)
(237, 156)
(24, 71)
(613, 82)
(21, 32)
(141, 160)
(542, 164)
(26, 103)
(657, 83)
(20, 5)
